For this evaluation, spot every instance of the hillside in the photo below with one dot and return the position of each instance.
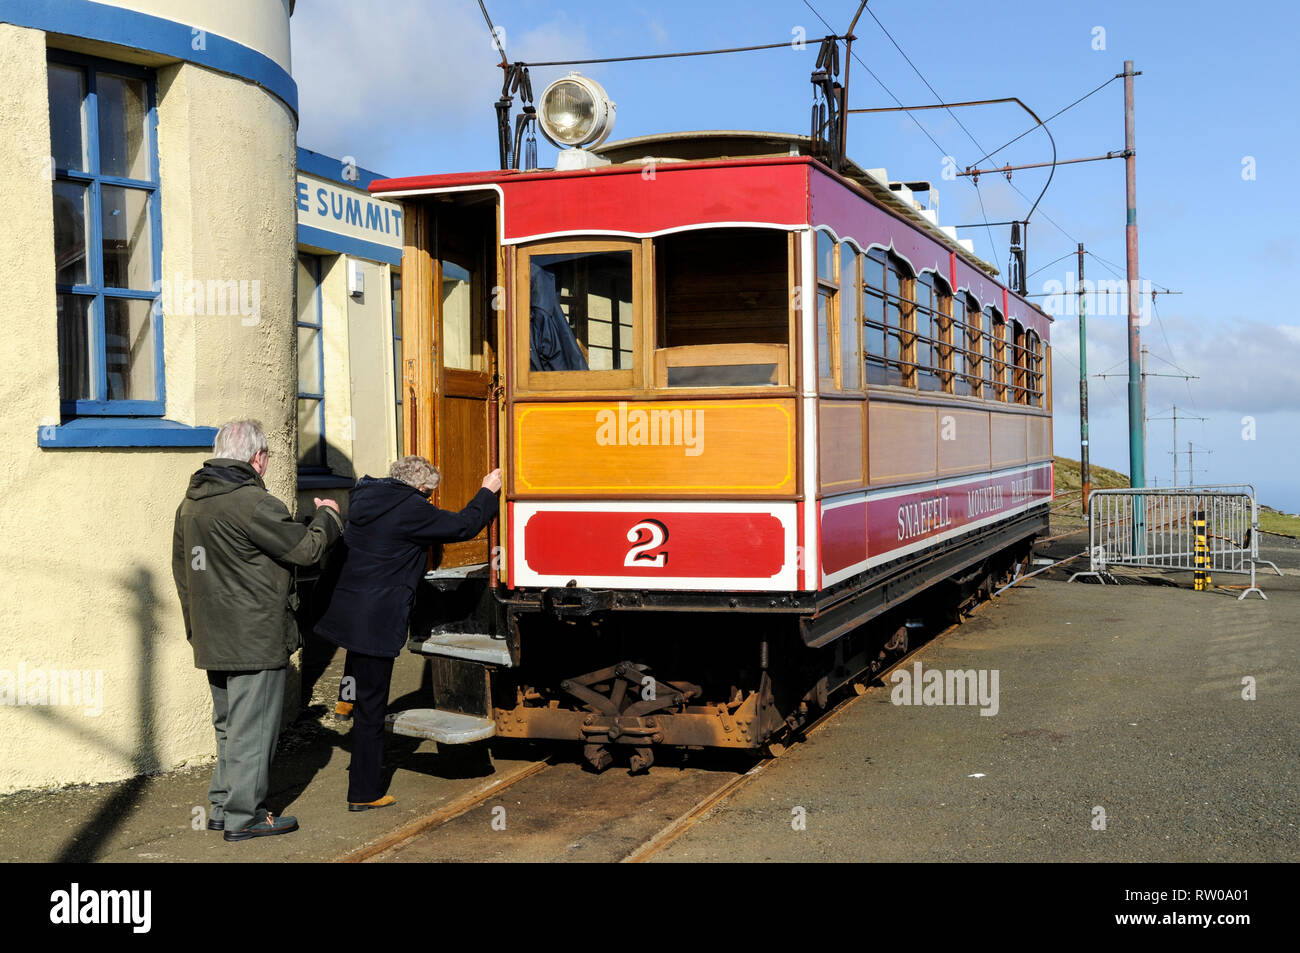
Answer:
(1068, 481)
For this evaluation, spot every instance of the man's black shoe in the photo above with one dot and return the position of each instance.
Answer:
(269, 827)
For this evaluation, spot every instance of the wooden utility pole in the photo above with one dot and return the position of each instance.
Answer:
(1136, 448)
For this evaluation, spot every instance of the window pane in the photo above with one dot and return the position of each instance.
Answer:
(581, 311)
(309, 361)
(309, 436)
(75, 336)
(462, 333)
(823, 336)
(67, 87)
(70, 237)
(128, 239)
(306, 291)
(873, 339)
(123, 136)
(129, 348)
(722, 375)
(825, 256)
(850, 320)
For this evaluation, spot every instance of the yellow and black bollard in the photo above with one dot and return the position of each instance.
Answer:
(1202, 579)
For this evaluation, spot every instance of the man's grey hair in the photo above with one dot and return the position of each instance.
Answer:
(239, 440)
(417, 472)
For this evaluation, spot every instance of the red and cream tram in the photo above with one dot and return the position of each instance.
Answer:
(752, 414)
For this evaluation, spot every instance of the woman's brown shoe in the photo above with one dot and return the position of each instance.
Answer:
(386, 801)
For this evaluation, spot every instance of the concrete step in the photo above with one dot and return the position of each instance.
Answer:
(472, 646)
(444, 727)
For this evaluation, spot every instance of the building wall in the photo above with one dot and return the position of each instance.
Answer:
(85, 533)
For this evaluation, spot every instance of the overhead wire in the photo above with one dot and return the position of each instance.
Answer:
(665, 56)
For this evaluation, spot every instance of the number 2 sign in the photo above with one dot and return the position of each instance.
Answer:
(645, 536)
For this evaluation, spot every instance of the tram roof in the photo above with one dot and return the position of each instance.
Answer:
(715, 149)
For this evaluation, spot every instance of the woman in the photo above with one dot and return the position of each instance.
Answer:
(369, 590)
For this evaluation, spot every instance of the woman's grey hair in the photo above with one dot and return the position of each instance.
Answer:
(417, 472)
(239, 440)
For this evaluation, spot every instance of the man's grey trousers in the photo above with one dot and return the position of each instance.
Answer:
(246, 709)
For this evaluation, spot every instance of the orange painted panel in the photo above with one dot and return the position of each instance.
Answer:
(691, 448)
(963, 441)
(1007, 437)
(902, 442)
(839, 435)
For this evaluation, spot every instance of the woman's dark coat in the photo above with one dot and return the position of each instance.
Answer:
(364, 597)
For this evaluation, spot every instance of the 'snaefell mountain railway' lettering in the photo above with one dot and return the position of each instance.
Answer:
(1020, 489)
(917, 519)
(986, 499)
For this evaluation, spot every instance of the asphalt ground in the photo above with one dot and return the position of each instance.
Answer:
(1125, 698)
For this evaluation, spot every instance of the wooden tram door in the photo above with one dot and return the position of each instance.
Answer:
(450, 356)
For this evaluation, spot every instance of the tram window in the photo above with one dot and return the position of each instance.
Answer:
(724, 308)
(850, 320)
(991, 346)
(1035, 369)
(462, 328)
(926, 325)
(959, 332)
(580, 311)
(882, 282)
(827, 288)
(1018, 365)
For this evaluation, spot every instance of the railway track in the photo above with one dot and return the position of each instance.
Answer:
(597, 824)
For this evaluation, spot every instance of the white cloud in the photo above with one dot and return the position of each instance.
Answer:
(373, 80)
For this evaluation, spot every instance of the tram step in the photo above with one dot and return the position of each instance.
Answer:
(444, 727)
(472, 646)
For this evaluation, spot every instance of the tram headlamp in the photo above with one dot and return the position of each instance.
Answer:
(575, 112)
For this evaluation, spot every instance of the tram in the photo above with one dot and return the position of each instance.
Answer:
(753, 414)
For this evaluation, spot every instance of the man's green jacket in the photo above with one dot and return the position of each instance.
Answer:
(231, 551)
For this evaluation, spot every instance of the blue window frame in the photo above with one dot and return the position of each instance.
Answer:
(107, 236)
(397, 358)
(311, 366)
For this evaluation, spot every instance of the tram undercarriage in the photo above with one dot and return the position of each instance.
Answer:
(692, 669)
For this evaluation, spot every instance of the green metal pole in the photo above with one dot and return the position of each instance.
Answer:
(1085, 471)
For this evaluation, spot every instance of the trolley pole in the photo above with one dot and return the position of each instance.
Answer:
(1136, 450)
(1085, 472)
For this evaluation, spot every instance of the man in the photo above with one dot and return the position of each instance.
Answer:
(366, 595)
(231, 550)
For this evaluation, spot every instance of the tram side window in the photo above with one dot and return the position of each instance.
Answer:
(1035, 369)
(827, 288)
(882, 328)
(927, 325)
(1019, 364)
(850, 319)
(580, 311)
(965, 345)
(724, 309)
(991, 347)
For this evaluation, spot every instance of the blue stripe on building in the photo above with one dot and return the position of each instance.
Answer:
(346, 245)
(141, 31)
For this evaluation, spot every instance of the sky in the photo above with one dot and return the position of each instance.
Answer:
(408, 87)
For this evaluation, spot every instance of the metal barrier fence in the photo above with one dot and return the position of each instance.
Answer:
(1203, 529)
